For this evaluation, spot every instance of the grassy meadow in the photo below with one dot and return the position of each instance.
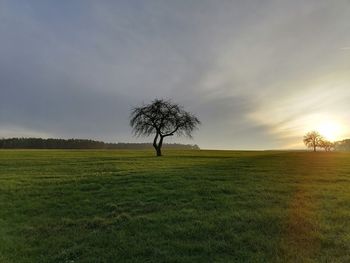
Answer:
(187, 206)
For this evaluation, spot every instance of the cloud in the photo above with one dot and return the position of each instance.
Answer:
(248, 69)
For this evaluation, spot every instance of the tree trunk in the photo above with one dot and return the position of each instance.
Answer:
(159, 151)
(158, 145)
(314, 148)
(155, 143)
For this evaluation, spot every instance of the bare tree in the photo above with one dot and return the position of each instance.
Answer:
(162, 118)
(327, 145)
(313, 140)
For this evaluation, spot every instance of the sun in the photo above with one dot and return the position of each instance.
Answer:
(331, 130)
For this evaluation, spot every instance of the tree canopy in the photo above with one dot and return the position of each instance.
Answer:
(313, 140)
(162, 118)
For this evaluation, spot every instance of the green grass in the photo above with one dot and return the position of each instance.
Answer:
(190, 206)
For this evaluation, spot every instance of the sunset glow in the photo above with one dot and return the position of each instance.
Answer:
(330, 130)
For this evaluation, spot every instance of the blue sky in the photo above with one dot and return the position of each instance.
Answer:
(259, 74)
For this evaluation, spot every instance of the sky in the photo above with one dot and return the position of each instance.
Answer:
(258, 74)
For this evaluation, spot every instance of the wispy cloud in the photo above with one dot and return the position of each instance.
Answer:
(250, 70)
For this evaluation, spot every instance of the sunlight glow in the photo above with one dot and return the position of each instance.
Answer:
(331, 130)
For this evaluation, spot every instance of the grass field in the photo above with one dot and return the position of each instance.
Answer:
(190, 206)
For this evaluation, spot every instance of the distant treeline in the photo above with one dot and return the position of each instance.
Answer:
(343, 145)
(39, 143)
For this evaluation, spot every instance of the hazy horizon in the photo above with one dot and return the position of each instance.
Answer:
(258, 74)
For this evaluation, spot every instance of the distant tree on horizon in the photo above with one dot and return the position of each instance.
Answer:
(343, 145)
(162, 118)
(327, 145)
(51, 143)
(313, 140)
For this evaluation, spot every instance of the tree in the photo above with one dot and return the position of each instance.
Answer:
(327, 145)
(313, 140)
(343, 145)
(162, 118)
